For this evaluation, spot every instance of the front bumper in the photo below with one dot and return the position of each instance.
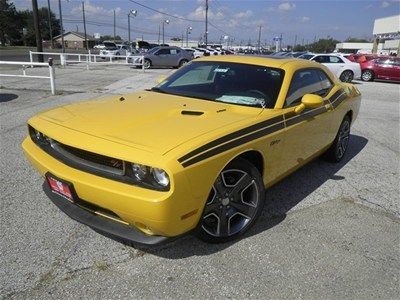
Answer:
(101, 224)
(168, 214)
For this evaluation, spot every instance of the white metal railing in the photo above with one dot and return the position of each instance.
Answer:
(88, 59)
(24, 64)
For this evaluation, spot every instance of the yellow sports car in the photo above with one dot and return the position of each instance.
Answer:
(195, 152)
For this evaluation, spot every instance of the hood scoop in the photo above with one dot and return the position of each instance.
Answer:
(191, 113)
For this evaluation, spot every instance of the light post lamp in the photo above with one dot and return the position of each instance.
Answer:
(132, 13)
(163, 23)
(188, 31)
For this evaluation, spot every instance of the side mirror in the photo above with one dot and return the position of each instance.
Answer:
(309, 101)
(161, 79)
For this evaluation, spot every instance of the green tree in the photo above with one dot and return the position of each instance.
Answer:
(27, 17)
(10, 24)
(324, 45)
(299, 48)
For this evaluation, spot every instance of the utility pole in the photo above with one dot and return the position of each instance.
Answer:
(259, 38)
(295, 41)
(114, 25)
(39, 45)
(159, 33)
(62, 28)
(280, 43)
(50, 28)
(84, 25)
(206, 33)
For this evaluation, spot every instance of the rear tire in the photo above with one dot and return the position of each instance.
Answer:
(235, 202)
(346, 76)
(338, 149)
(367, 75)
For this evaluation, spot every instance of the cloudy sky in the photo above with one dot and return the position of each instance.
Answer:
(238, 19)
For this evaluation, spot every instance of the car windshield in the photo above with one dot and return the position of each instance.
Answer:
(235, 83)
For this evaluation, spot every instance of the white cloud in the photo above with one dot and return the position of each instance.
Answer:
(305, 19)
(199, 14)
(95, 10)
(244, 14)
(385, 4)
(286, 6)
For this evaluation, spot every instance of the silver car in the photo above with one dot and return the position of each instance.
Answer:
(163, 57)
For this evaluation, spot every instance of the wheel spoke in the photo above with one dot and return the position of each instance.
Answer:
(243, 208)
(241, 185)
(220, 187)
(223, 223)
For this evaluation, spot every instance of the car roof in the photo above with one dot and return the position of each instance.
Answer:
(263, 60)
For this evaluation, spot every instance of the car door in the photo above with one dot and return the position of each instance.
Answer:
(174, 57)
(159, 58)
(385, 68)
(310, 131)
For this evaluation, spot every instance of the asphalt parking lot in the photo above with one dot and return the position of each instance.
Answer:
(329, 231)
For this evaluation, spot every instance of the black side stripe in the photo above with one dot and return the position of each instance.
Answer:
(231, 136)
(305, 116)
(234, 144)
(336, 95)
(339, 100)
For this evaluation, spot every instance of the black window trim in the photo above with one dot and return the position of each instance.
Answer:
(291, 82)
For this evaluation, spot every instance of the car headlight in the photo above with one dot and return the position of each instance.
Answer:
(161, 177)
(149, 177)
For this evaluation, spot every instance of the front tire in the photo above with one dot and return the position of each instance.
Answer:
(235, 202)
(367, 75)
(338, 149)
(147, 63)
(346, 76)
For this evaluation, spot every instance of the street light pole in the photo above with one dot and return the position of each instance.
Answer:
(132, 13)
(188, 31)
(84, 25)
(163, 35)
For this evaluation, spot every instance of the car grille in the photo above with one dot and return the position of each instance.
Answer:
(79, 158)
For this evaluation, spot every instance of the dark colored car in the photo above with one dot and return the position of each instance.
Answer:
(384, 68)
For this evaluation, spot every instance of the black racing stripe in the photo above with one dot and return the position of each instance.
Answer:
(336, 95)
(231, 136)
(339, 100)
(234, 144)
(305, 116)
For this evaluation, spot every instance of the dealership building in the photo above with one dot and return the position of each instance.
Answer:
(386, 33)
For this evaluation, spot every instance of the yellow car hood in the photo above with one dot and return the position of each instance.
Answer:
(148, 121)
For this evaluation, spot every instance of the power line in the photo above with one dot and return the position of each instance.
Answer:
(164, 13)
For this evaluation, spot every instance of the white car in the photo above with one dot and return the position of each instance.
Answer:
(112, 49)
(196, 53)
(343, 68)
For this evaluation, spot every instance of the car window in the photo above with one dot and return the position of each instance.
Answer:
(163, 51)
(321, 59)
(174, 51)
(335, 60)
(307, 81)
(382, 61)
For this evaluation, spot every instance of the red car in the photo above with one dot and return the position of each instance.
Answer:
(385, 68)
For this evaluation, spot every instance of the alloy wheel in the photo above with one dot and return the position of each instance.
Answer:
(343, 139)
(232, 203)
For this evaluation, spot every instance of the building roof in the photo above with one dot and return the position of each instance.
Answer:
(77, 34)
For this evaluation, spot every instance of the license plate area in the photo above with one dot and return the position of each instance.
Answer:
(61, 187)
